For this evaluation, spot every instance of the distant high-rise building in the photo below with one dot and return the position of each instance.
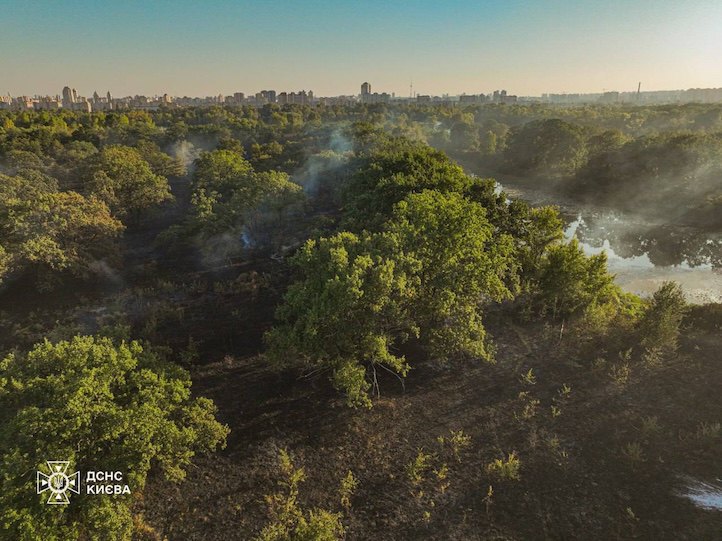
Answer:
(83, 105)
(300, 98)
(365, 89)
(67, 97)
(503, 97)
(265, 96)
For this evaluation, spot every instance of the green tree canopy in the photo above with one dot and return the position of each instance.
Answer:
(660, 324)
(347, 312)
(104, 407)
(221, 171)
(462, 265)
(568, 281)
(390, 171)
(228, 194)
(120, 177)
(161, 163)
(46, 230)
(551, 146)
(427, 275)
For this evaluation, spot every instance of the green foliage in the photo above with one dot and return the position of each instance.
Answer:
(102, 406)
(708, 431)
(349, 484)
(650, 426)
(550, 146)
(119, 176)
(160, 163)
(675, 173)
(391, 171)
(633, 453)
(620, 373)
(75, 152)
(46, 230)
(616, 315)
(457, 441)
(529, 406)
(568, 282)
(228, 195)
(418, 467)
(529, 377)
(224, 172)
(505, 468)
(430, 251)
(289, 522)
(428, 271)
(429, 475)
(661, 322)
(533, 229)
(461, 265)
(360, 296)
(346, 312)
(464, 136)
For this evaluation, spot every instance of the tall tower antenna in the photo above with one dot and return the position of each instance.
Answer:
(639, 88)
(411, 89)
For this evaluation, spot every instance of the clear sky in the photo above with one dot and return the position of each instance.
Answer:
(202, 48)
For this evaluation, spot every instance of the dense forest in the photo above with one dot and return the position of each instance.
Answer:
(320, 323)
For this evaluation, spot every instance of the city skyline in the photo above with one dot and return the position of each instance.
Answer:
(454, 47)
(362, 95)
(73, 100)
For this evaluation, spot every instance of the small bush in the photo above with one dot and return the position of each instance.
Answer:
(620, 374)
(505, 468)
(633, 453)
(529, 405)
(289, 522)
(416, 469)
(457, 441)
(650, 426)
(348, 487)
(708, 431)
(661, 322)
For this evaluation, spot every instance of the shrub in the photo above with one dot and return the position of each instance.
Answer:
(417, 468)
(633, 453)
(348, 487)
(289, 522)
(569, 282)
(505, 468)
(661, 322)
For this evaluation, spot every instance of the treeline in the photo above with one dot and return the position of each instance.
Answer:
(631, 158)
(673, 176)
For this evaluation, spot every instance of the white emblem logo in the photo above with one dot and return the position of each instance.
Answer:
(59, 482)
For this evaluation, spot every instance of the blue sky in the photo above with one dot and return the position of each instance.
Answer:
(206, 48)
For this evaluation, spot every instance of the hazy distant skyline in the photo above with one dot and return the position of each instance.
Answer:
(454, 46)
